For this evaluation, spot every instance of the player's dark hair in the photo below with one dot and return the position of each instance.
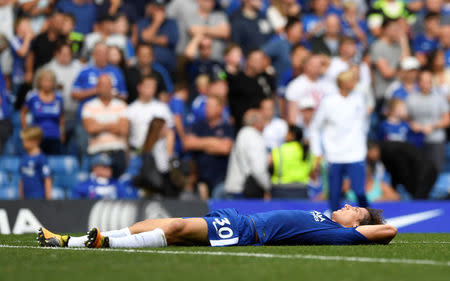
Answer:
(375, 217)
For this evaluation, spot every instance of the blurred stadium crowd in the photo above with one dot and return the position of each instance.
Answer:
(224, 99)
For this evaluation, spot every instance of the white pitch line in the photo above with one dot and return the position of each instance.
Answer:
(255, 255)
(420, 242)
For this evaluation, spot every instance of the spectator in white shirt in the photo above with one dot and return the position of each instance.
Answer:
(104, 119)
(249, 158)
(338, 135)
(307, 85)
(276, 128)
(142, 111)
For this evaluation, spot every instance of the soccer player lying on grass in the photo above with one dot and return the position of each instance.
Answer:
(348, 226)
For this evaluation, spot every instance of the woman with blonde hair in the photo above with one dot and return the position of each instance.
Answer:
(45, 105)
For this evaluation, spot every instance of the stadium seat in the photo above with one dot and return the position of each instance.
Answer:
(58, 193)
(64, 171)
(9, 192)
(10, 164)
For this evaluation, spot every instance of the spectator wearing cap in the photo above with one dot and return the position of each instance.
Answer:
(161, 32)
(249, 87)
(276, 128)
(143, 110)
(207, 22)
(145, 66)
(307, 108)
(328, 43)
(308, 85)
(210, 140)
(84, 12)
(338, 136)
(104, 119)
(429, 114)
(386, 54)
(100, 184)
(249, 166)
(428, 41)
(406, 83)
(199, 54)
(279, 48)
(249, 28)
(105, 32)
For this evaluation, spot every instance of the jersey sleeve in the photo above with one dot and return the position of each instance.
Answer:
(45, 168)
(340, 236)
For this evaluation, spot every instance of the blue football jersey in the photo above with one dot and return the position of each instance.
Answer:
(33, 170)
(295, 227)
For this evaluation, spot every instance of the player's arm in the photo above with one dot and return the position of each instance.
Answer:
(48, 188)
(381, 234)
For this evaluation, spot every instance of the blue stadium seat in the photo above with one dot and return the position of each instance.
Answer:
(10, 164)
(441, 188)
(9, 192)
(58, 193)
(64, 171)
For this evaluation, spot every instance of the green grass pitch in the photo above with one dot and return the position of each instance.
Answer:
(424, 257)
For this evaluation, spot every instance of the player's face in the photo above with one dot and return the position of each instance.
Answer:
(349, 216)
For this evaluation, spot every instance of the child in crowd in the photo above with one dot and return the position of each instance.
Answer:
(35, 181)
(395, 128)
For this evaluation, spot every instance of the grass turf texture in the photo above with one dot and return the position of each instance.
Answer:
(60, 264)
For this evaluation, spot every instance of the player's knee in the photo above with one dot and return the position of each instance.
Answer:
(174, 231)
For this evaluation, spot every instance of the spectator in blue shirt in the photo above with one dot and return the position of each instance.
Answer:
(178, 106)
(249, 28)
(314, 23)
(46, 107)
(428, 41)
(279, 49)
(354, 26)
(161, 32)
(101, 185)
(199, 53)
(35, 181)
(85, 85)
(5, 113)
(210, 140)
(20, 46)
(445, 43)
(395, 128)
(84, 12)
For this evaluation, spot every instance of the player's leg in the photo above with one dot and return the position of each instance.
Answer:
(357, 174)
(335, 178)
(193, 231)
(46, 238)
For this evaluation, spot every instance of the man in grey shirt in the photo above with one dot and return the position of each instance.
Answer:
(429, 114)
(386, 54)
(204, 21)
